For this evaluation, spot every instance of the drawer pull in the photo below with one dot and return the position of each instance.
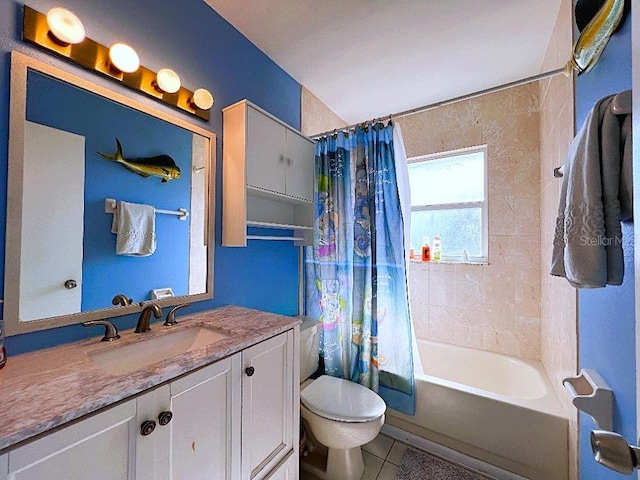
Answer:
(249, 371)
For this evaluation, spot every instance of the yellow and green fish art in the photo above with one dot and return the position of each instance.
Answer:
(161, 166)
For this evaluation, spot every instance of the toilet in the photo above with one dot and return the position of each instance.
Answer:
(336, 413)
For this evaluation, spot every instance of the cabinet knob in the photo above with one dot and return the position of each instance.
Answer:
(70, 284)
(165, 417)
(147, 427)
(249, 371)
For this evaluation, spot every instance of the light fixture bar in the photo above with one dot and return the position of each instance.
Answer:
(95, 57)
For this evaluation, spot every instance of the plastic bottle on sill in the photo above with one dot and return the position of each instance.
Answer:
(426, 250)
(437, 249)
(412, 253)
(465, 256)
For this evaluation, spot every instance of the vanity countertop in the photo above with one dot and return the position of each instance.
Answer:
(47, 388)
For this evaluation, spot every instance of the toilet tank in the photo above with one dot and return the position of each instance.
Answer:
(309, 347)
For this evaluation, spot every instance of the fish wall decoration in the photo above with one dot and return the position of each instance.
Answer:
(161, 166)
(595, 36)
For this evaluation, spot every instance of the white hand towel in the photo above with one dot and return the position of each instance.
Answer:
(135, 226)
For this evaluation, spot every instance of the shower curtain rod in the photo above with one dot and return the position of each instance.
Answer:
(468, 96)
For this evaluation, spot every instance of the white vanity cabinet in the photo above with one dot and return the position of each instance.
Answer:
(200, 438)
(100, 447)
(234, 419)
(4, 466)
(268, 176)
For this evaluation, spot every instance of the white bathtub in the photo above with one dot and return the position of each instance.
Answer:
(493, 407)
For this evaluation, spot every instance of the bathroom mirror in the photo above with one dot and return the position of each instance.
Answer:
(61, 262)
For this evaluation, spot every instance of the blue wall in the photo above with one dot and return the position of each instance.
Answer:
(208, 52)
(607, 316)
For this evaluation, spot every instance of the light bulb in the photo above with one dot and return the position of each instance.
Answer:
(202, 99)
(167, 80)
(124, 58)
(65, 26)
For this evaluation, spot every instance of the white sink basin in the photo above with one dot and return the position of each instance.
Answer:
(129, 358)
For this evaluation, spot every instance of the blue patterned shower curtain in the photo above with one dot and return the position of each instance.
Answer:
(355, 272)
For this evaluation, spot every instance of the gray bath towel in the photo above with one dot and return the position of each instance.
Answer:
(587, 246)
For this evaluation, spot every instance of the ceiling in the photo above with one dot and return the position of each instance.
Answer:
(370, 58)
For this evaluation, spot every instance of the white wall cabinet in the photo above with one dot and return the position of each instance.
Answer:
(234, 419)
(268, 175)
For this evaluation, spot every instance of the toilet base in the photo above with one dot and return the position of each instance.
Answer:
(340, 464)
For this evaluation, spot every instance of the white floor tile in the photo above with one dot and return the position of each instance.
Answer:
(372, 466)
(396, 453)
(379, 446)
(388, 472)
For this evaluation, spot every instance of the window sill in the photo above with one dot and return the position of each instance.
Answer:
(480, 261)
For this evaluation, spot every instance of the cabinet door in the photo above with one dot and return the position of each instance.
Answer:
(300, 166)
(152, 447)
(102, 447)
(286, 470)
(205, 429)
(265, 152)
(267, 405)
(4, 466)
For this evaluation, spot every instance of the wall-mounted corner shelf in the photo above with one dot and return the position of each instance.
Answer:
(280, 226)
(274, 237)
(268, 174)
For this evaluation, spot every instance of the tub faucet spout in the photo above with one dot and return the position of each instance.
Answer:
(144, 321)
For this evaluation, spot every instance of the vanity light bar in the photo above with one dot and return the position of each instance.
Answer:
(95, 57)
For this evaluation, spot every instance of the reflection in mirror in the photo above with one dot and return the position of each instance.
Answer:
(63, 263)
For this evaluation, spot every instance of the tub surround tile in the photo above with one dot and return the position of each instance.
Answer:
(47, 388)
(441, 288)
(508, 122)
(528, 337)
(441, 323)
(468, 333)
(468, 287)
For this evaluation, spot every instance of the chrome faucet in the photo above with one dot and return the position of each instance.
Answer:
(144, 320)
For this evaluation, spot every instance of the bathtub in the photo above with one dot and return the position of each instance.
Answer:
(493, 407)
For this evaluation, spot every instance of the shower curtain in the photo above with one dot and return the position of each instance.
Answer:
(355, 272)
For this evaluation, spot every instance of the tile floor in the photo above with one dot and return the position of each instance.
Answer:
(382, 458)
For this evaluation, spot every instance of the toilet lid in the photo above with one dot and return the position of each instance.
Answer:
(342, 400)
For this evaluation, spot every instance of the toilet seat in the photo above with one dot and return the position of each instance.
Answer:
(341, 400)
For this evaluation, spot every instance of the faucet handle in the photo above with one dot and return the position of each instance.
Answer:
(110, 331)
(171, 316)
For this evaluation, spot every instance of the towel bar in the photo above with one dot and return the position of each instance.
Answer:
(110, 205)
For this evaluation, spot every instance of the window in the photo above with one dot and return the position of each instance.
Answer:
(448, 199)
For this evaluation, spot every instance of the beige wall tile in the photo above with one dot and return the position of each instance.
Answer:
(468, 287)
(316, 117)
(442, 323)
(508, 123)
(528, 336)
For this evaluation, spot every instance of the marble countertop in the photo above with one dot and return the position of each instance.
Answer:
(48, 388)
